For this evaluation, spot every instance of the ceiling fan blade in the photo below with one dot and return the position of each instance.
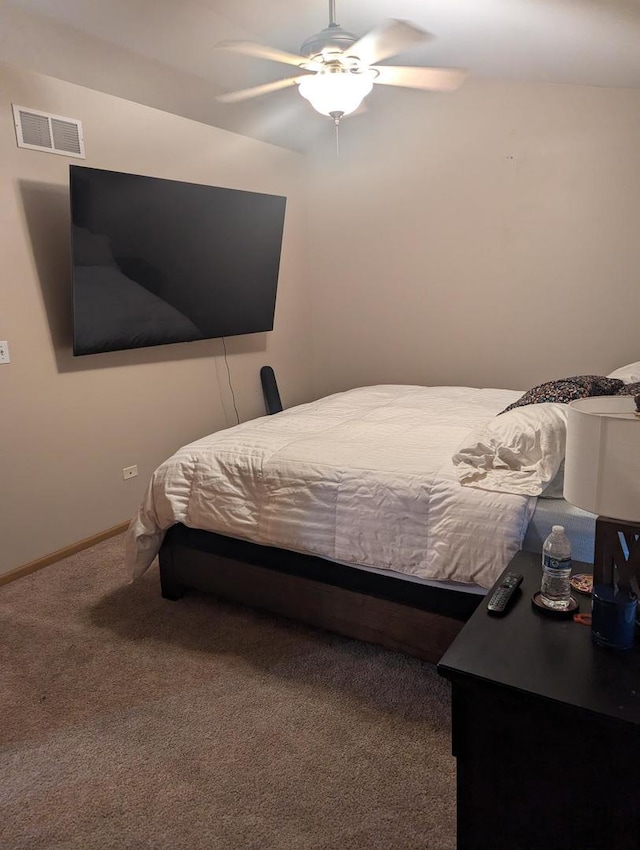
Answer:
(256, 91)
(433, 79)
(262, 51)
(386, 40)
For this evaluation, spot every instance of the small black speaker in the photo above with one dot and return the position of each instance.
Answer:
(270, 390)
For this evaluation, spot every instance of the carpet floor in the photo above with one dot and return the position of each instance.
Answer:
(132, 722)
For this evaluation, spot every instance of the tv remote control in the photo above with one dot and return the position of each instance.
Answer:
(503, 594)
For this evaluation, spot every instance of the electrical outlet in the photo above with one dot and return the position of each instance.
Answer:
(4, 351)
(129, 472)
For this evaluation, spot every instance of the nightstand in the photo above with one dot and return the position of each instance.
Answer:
(545, 730)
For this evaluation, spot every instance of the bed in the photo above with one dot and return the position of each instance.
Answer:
(383, 513)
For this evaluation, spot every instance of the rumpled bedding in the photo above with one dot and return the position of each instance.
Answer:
(363, 477)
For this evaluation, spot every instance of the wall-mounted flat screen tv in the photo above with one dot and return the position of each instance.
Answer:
(159, 261)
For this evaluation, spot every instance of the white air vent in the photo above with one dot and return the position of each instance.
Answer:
(41, 131)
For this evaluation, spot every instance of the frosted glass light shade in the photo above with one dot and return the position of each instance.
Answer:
(602, 465)
(331, 91)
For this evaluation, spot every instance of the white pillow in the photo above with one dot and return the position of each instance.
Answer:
(629, 374)
(520, 451)
(555, 488)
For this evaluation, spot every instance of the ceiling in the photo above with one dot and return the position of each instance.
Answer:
(583, 42)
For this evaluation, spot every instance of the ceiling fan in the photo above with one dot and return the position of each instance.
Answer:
(336, 70)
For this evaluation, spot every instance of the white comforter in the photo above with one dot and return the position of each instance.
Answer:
(361, 477)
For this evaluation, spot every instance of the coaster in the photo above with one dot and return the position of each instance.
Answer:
(565, 614)
(582, 583)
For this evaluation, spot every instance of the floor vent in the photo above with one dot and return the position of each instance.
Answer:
(40, 131)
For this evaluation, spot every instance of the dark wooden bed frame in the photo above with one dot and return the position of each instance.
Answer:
(417, 619)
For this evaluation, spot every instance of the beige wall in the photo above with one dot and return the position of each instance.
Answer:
(69, 425)
(486, 237)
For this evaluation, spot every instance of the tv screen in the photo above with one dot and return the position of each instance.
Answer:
(158, 261)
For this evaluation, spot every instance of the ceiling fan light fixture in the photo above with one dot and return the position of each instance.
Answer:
(336, 91)
(336, 70)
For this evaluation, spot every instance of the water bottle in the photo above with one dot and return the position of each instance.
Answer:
(556, 570)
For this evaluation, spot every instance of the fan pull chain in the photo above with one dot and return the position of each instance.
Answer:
(336, 120)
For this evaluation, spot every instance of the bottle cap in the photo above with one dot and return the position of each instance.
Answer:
(557, 528)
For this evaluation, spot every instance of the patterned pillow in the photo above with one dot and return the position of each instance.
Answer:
(565, 390)
(630, 389)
